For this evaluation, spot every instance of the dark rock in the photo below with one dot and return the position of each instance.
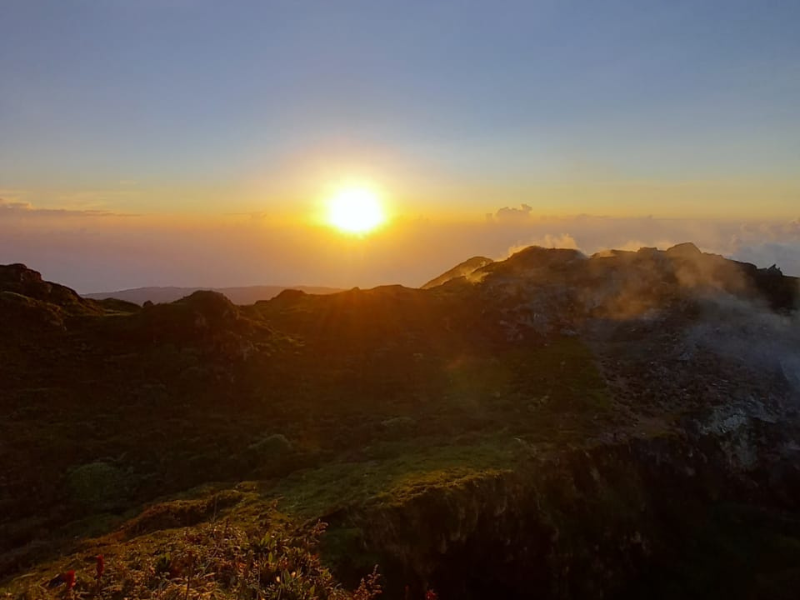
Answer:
(685, 250)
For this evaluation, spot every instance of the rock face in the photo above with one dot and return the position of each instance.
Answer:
(19, 279)
(30, 306)
(546, 290)
(579, 524)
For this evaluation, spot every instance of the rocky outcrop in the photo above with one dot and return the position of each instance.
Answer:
(542, 291)
(588, 523)
(464, 269)
(19, 279)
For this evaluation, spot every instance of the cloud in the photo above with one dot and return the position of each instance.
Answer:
(785, 255)
(511, 214)
(774, 232)
(765, 244)
(26, 209)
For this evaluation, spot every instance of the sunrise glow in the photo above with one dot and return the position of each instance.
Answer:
(355, 210)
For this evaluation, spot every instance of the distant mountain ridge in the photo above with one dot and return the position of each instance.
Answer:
(238, 295)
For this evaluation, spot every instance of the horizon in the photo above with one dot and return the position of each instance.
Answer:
(164, 143)
(565, 243)
(759, 243)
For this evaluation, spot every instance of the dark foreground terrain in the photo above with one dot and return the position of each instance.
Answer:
(548, 426)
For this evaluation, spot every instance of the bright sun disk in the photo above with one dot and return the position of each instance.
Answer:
(355, 210)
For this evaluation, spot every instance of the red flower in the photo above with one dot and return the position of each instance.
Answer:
(431, 595)
(101, 565)
(69, 579)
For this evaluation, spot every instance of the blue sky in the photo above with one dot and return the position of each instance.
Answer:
(192, 92)
(182, 111)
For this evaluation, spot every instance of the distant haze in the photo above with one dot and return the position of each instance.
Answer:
(237, 295)
(101, 254)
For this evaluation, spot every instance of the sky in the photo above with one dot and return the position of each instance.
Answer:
(194, 142)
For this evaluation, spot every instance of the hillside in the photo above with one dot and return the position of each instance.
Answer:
(553, 425)
(464, 269)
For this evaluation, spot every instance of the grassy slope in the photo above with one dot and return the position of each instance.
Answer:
(123, 402)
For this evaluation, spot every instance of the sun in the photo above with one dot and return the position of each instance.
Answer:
(355, 210)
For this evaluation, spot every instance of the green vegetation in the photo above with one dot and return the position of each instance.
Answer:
(182, 513)
(297, 391)
(405, 472)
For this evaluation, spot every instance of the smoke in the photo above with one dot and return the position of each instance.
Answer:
(759, 243)
(626, 285)
(745, 332)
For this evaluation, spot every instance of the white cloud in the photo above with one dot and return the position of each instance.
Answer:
(510, 214)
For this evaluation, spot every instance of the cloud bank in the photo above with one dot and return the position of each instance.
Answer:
(96, 251)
